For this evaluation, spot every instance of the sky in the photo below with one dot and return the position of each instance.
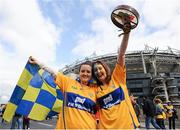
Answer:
(61, 32)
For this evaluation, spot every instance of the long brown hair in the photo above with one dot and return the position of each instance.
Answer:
(107, 69)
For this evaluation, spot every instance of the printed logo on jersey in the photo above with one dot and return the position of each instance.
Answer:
(74, 87)
(80, 102)
(111, 99)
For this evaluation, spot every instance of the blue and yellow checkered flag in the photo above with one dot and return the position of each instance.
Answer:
(29, 71)
(35, 95)
(42, 98)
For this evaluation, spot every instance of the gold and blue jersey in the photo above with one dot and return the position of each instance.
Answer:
(113, 98)
(80, 103)
(116, 110)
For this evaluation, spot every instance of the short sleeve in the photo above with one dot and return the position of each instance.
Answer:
(119, 74)
(62, 81)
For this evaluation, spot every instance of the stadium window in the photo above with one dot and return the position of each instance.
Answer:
(136, 90)
(135, 82)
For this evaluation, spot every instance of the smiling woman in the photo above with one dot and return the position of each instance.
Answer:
(115, 107)
(85, 73)
(79, 98)
(102, 73)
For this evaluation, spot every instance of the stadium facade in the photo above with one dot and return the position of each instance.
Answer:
(151, 72)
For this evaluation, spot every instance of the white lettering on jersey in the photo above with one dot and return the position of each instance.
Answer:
(80, 100)
(108, 99)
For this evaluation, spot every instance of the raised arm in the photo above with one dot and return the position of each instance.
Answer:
(122, 49)
(32, 60)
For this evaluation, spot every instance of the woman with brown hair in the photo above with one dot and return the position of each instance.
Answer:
(115, 107)
(79, 98)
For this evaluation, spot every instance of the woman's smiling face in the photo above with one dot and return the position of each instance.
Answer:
(85, 74)
(100, 72)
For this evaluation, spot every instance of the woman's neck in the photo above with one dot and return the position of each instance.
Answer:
(104, 86)
(104, 83)
(84, 84)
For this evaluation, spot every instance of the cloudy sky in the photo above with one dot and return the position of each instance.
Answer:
(60, 32)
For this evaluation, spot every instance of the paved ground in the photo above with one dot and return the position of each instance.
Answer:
(51, 124)
(46, 124)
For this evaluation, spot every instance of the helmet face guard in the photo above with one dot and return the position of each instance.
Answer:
(123, 15)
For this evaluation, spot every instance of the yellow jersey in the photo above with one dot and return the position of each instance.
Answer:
(116, 110)
(169, 110)
(163, 115)
(79, 105)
